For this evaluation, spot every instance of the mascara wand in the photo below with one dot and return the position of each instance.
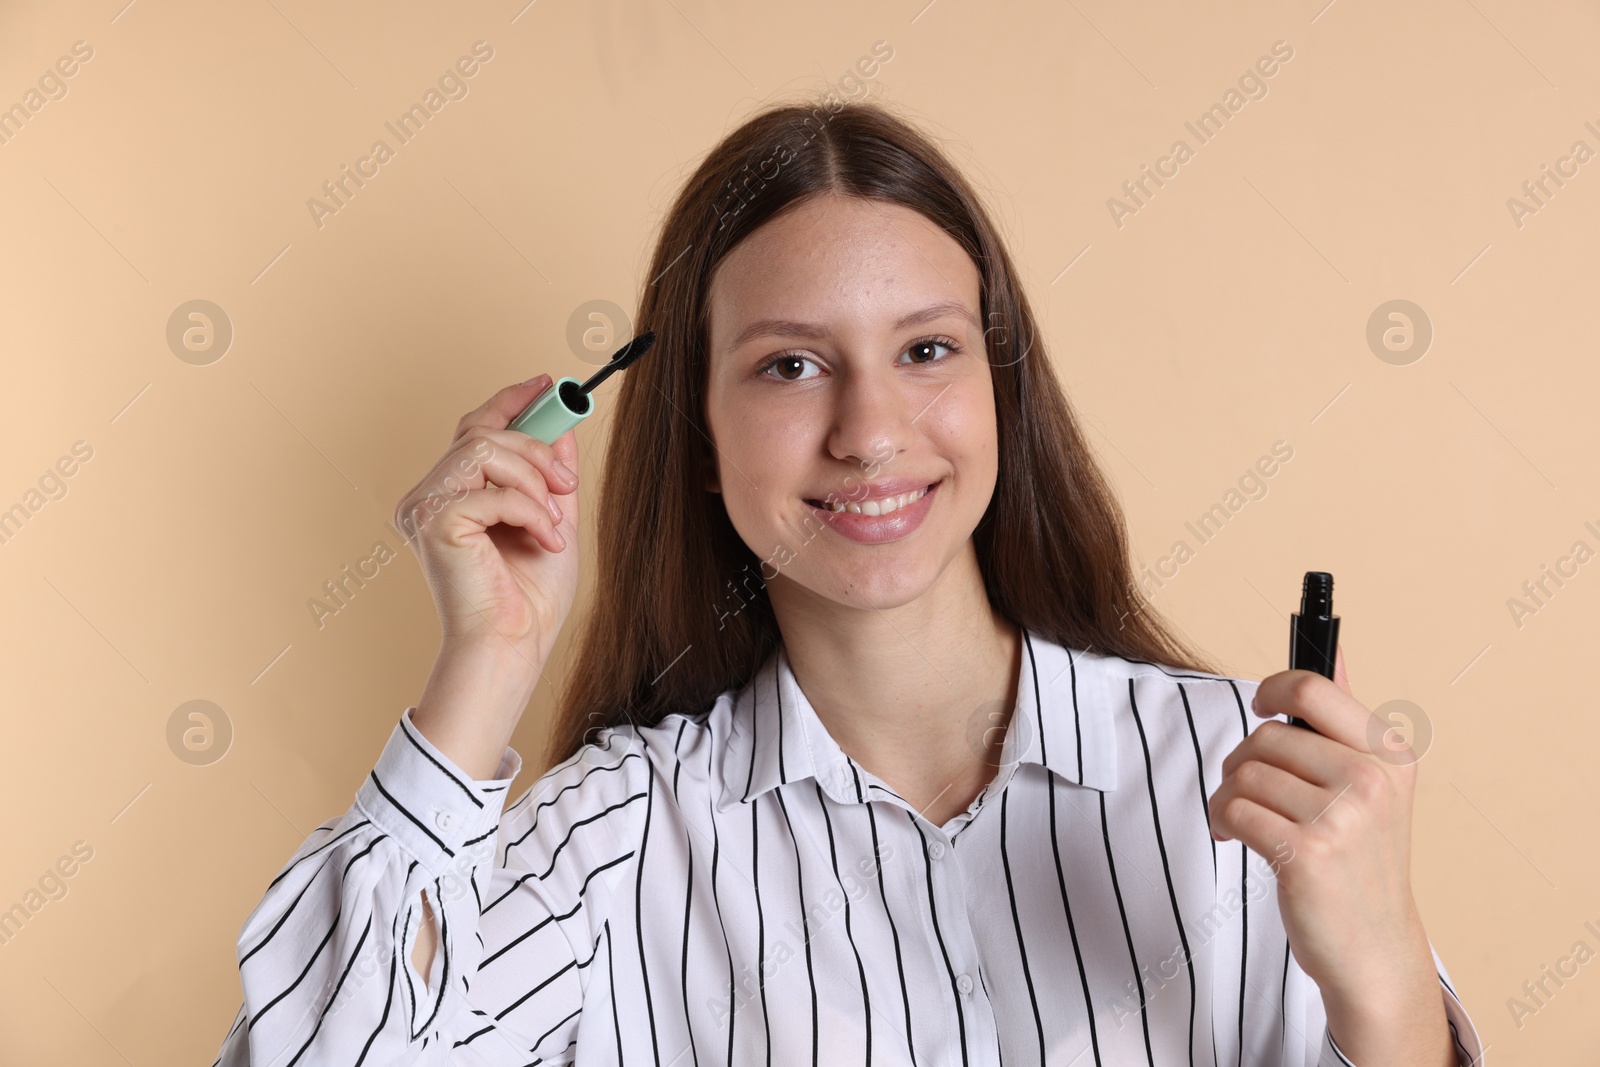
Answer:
(559, 409)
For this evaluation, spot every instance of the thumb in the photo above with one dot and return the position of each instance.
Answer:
(1340, 678)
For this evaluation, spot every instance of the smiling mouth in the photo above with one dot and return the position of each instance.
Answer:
(883, 506)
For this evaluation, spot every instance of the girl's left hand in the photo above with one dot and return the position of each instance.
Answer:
(1333, 817)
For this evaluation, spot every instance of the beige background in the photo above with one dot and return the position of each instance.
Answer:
(1227, 314)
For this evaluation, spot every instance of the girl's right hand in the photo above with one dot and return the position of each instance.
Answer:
(501, 559)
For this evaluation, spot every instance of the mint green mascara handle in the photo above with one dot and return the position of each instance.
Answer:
(557, 410)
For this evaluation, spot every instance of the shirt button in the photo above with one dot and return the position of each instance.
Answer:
(935, 849)
(444, 820)
(964, 983)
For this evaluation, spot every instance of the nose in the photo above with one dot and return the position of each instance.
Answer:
(873, 417)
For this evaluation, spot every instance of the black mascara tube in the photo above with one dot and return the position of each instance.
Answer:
(1314, 632)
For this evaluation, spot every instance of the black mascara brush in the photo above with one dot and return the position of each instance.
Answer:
(568, 403)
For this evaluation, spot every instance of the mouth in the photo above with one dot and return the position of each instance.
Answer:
(883, 506)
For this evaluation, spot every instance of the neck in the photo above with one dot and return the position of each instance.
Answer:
(921, 694)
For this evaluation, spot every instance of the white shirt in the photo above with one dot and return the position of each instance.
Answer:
(621, 910)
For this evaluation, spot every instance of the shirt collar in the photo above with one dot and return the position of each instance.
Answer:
(1064, 721)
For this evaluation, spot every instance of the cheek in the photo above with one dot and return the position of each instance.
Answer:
(962, 426)
(758, 459)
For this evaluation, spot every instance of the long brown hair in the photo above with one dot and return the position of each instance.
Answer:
(679, 611)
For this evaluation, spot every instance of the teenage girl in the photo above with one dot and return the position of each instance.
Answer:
(869, 751)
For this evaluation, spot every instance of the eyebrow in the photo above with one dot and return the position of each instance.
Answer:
(814, 332)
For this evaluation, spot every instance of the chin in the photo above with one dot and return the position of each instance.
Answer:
(882, 585)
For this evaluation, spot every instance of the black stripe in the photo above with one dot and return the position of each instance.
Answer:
(716, 851)
(1055, 841)
(1077, 722)
(894, 932)
(564, 841)
(688, 895)
(861, 971)
(536, 927)
(325, 845)
(1200, 773)
(805, 921)
(405, 971)
(323, 1014)
(638, 917)
(1283, 1003)
(1072, 928)
(301, 977)
(545, 804)
(470, 1038)
(777, 692)
(570, 965)
(285, 916)
(1166, 866)
(373, 774)
(444, 974)
(1133, 955)
(1016, 922)
(1244, 874)
(611, 973)
(933, 913)
(750, 773)
(761, 921)
(383, 1020)
(442, 768)
(1175, 674)
(553, 1029)
(886, 789)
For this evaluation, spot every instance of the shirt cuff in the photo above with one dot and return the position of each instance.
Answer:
(428, 804)
(1464, 1040)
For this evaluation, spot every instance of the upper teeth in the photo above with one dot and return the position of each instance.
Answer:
(879, 507)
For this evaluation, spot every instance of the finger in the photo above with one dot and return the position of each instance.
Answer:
(561, 477)
(1305, 754)
(511, 471)
(1274, 788)
(506, 404)
(488, 507)
(1261, 829)
(1330, 710)
(1340, 678)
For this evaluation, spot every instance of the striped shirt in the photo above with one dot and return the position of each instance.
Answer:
(730, 887)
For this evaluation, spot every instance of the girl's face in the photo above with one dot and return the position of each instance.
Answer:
(847, 366)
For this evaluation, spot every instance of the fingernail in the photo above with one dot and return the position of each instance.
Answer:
(565, 472)
(555, 512)
(562, 541)
(537, 379)
(1253, 705)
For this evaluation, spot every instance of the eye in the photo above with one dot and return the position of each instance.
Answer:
(787, 361)
(928, 343)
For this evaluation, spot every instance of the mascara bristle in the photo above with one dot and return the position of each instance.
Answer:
(626, 355)
(636, 348)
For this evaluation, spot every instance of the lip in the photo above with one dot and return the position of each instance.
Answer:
(878, 490)
(878, 529)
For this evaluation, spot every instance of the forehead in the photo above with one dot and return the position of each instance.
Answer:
(839, 258)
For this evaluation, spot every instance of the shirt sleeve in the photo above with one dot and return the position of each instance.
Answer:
(325, 958)
(1466, 1044)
